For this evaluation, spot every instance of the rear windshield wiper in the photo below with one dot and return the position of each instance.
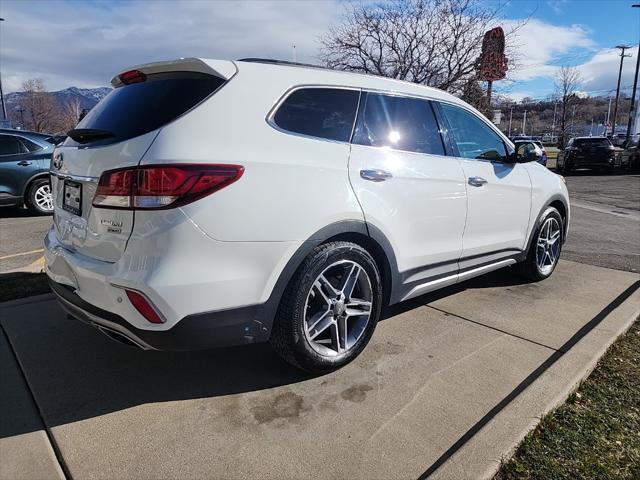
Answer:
(85, 135)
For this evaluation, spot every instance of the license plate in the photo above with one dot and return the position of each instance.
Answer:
(72, 197)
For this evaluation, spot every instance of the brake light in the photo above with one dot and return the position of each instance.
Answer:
(162, 186)
(143, 306)
(132, 76)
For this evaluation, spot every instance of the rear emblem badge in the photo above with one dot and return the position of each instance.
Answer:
(57, 160)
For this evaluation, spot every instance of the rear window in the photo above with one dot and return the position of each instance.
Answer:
(133, 110)
(592, 142)
(319, 112)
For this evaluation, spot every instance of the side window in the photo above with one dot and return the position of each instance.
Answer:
(400, 123)
(474, 138)
(9, 145)
(319, 112)
(29, 145)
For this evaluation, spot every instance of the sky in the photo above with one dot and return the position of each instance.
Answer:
(83, 44)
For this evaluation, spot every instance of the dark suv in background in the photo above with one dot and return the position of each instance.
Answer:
(24, 170)
(587, 152)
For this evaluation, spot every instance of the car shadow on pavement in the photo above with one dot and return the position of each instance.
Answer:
(17, 212)
(76, 373)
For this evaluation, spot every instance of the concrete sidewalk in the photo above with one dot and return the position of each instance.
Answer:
(451, 380)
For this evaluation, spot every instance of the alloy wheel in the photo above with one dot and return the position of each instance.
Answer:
(548, 245)
(338, 308)
(43, 198)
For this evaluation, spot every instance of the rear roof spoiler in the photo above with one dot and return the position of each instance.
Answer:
(224, 69)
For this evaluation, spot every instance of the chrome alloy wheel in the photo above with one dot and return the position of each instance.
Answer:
(548, 245)
(43, 198)
(338, 308)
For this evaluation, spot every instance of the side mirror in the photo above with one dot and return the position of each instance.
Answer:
(528, 152)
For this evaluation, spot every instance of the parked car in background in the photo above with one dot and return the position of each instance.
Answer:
(543, 152)
(24, 170)
(184, 222)
(630, 156)
(595, 153)
(618, 139)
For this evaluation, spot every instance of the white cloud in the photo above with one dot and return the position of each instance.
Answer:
(600, 73)
(84, 44)
(539, 44)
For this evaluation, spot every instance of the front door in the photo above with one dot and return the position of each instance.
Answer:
(498, 192)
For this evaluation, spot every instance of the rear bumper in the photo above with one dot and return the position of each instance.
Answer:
(195, 332)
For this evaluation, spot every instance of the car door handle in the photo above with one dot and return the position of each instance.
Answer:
(477, 181)
(24, 163)
(375, 175)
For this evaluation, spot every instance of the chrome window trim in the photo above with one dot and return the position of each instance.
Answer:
(392, 93)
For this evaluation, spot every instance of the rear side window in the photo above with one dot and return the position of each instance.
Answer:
(473, 137)
(132, 110)
(31, 146)
(400, 123)
(9, 145)
(326, 113)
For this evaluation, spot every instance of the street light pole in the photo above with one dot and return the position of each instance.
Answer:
(524, 122)
(510, 117)
(632, 112)
(615, 108)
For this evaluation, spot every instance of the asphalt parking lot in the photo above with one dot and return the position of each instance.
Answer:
(449, 384)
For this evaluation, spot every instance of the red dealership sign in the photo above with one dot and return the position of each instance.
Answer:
(493, 62)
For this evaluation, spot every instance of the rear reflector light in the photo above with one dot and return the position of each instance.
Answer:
(162, 186)
(143, 306)
(132, 76)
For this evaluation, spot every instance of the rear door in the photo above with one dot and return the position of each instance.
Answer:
(498, 192)
(115, 134)
(408, 188)
(14, 168)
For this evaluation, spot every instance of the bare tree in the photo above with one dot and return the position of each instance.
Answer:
(38, 107)
(431, 42)
(71, 114)
(567, 81)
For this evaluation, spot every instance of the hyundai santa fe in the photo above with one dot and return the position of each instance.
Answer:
(208, 203)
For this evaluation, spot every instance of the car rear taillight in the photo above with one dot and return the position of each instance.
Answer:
(162, 186)
(143, 306)
(132, 76)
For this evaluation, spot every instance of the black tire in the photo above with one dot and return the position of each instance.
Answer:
(529, 268)
(30, 199)
(564, 169)
(289, 338)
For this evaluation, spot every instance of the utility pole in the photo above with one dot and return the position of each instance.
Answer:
(615, 108)
(524, 122)
(632, 111)
(4, 109)
(607, 119)
(510, 117)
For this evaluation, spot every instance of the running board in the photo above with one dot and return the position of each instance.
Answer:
(455, 278)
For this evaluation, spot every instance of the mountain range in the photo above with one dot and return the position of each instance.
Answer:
(88, 97)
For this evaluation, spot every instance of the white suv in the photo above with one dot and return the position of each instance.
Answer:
(207, 203)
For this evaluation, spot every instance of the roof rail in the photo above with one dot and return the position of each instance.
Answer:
(274, 61)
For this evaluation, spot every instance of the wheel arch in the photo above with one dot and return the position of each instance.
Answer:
(356, 231)
(559, 203)
(29, 182)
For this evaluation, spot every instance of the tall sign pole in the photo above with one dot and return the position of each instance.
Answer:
(492, 64)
